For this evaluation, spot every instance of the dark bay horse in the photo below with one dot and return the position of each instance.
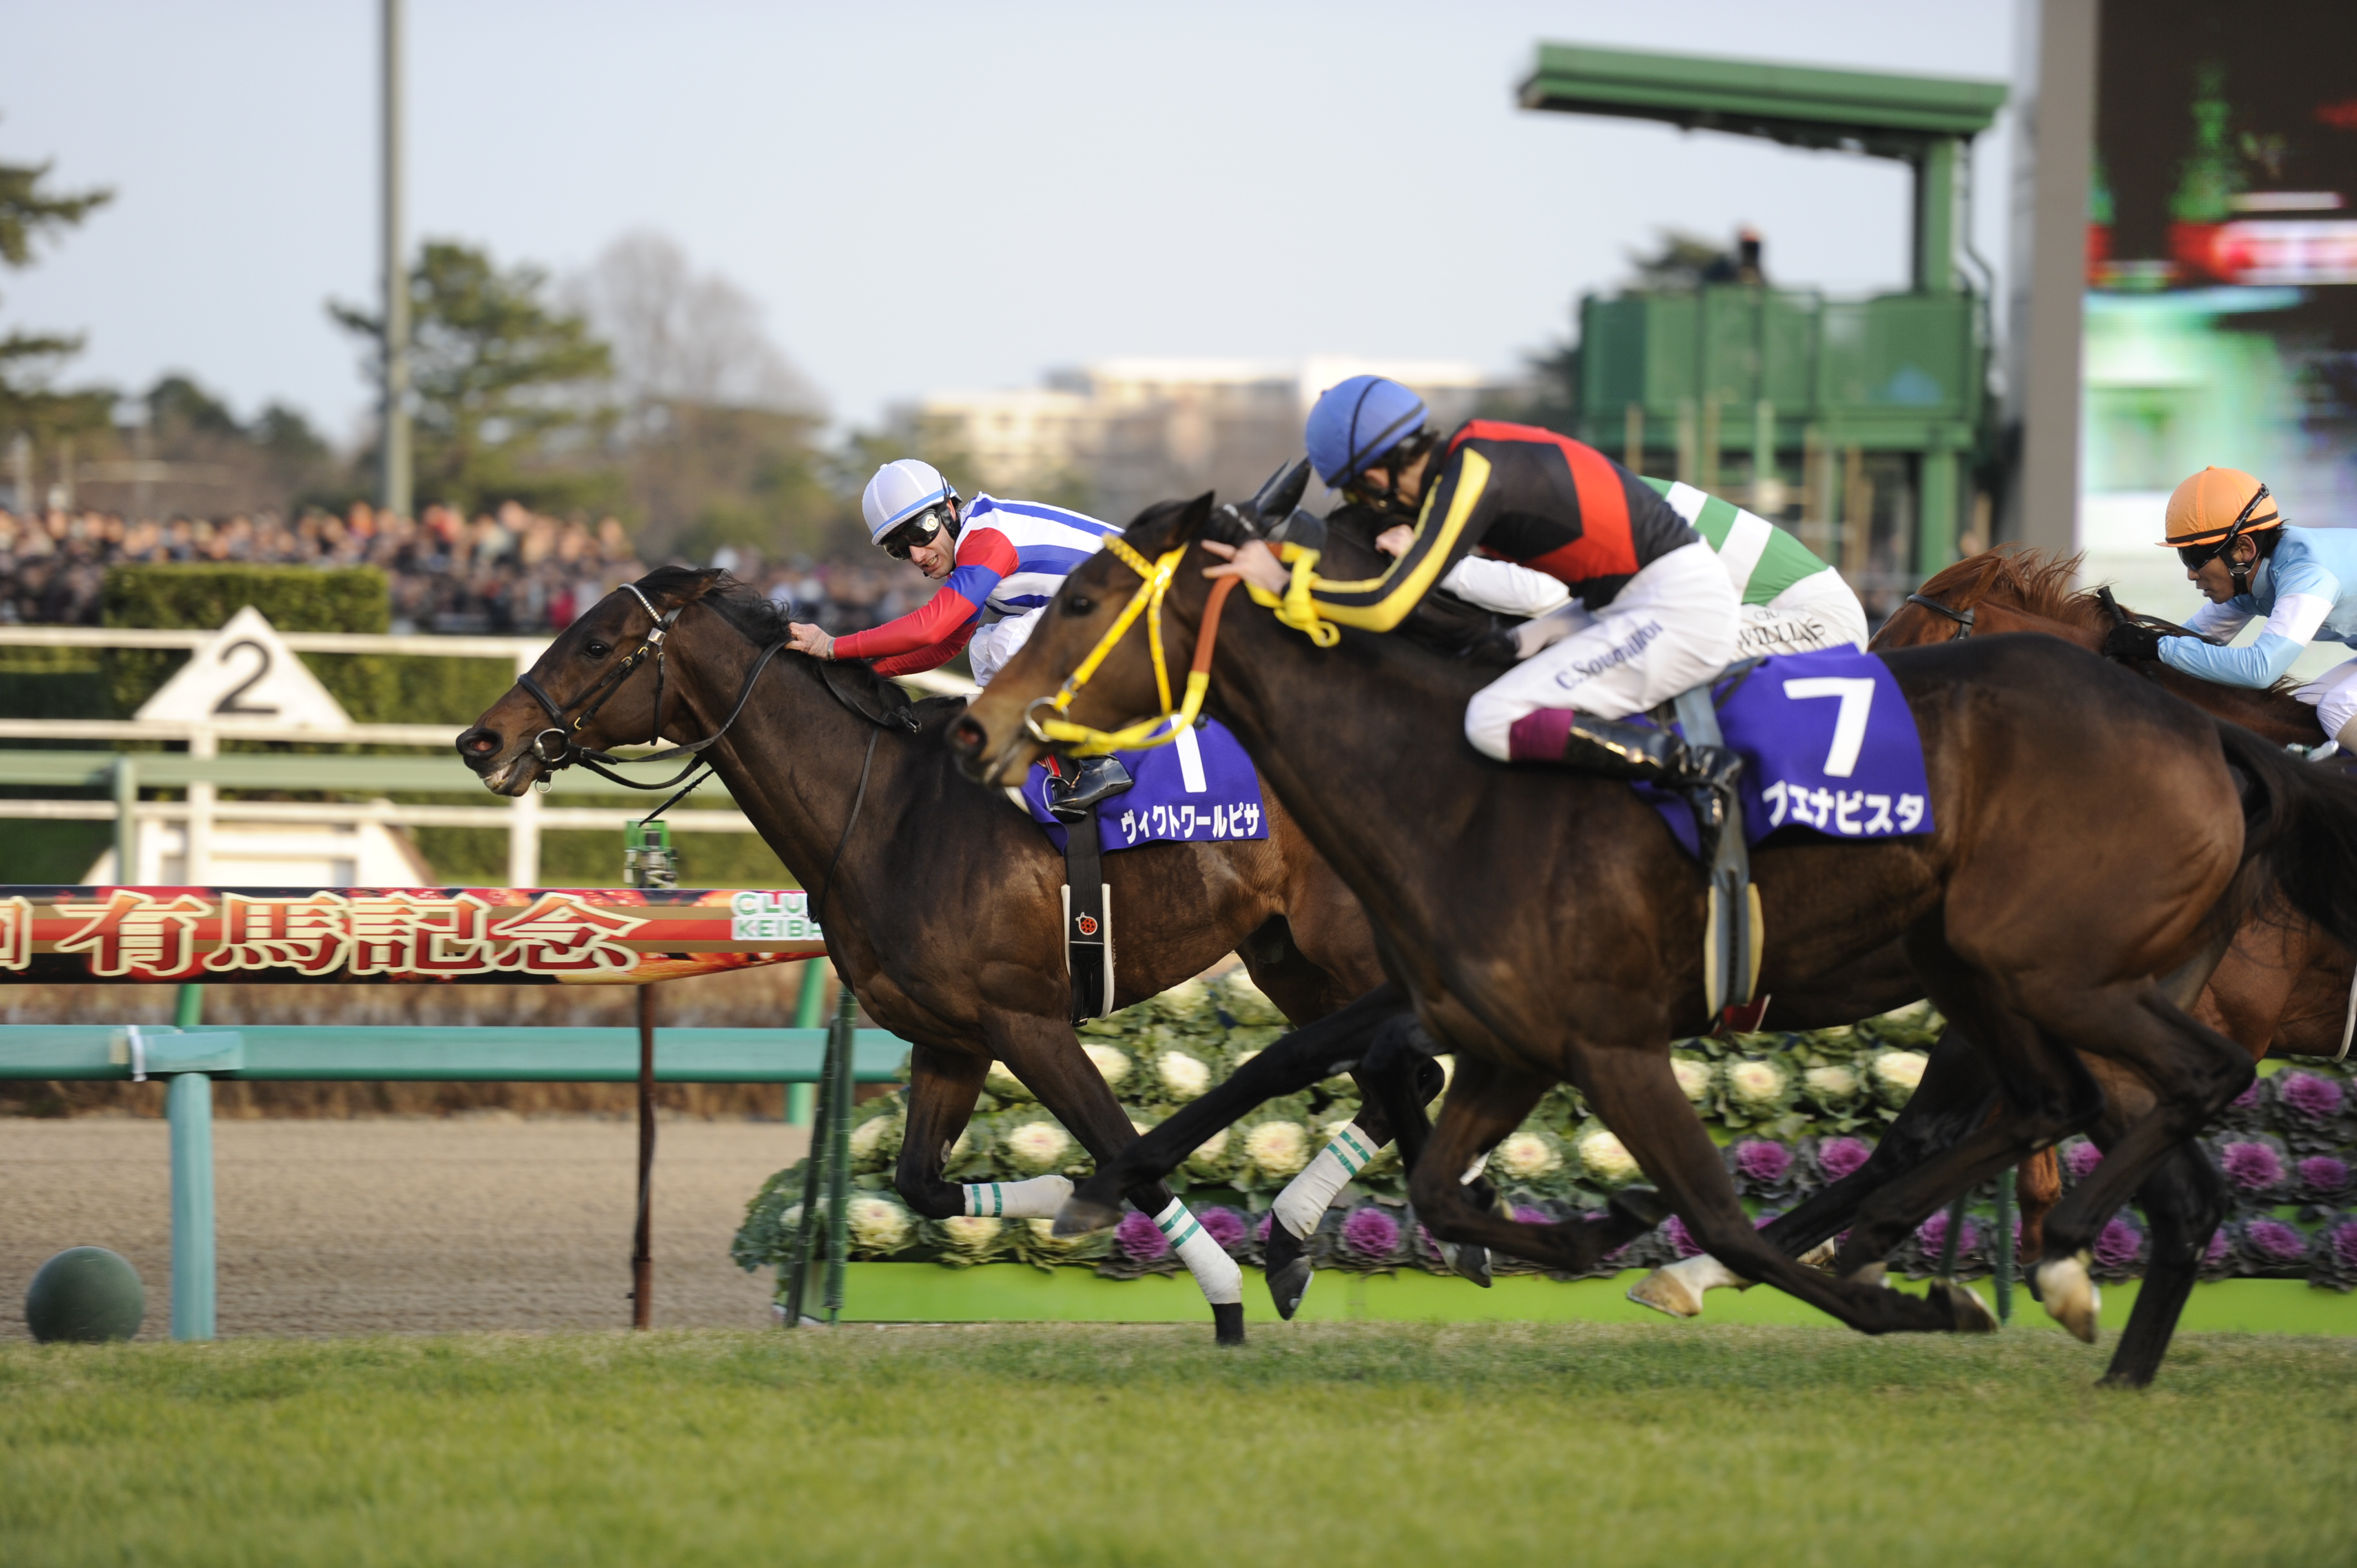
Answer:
(1547, 927)
(944, 910)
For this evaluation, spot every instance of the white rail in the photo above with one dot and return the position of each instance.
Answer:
(392, 815)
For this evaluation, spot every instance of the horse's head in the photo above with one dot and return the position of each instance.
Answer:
(595, 688)
(995, 740)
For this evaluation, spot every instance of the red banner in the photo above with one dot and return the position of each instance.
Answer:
(277, 935)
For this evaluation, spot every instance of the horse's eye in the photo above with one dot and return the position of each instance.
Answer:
(1079, 605)
(597, 650)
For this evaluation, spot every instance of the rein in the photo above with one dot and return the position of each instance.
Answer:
(1147, 601)
(567, 722)
(1962, 618)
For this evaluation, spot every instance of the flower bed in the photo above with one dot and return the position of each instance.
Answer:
(1792, 1112)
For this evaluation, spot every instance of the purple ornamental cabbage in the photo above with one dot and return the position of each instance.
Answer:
(2276, 1241)
(2254, 1167)
(1140, 1239)
(1763, 1161)
(2318, 1099)
(2120, 1245)
(1932, 1234)
(1428, 1246)
(1530, 1216)
(2322, 1172)
(1260, 1231)
(1837, 1157)
(2248, 1097)
(1222, 1225)
(2344, 1244)
(1681, 1240)
(2081, 1159)
(1370, 1232)
(2215, 1253)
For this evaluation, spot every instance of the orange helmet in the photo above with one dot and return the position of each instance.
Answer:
(2217, 505)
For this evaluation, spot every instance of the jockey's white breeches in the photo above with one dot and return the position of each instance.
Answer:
(2334, 693)
(1672, 626)
(992, 646)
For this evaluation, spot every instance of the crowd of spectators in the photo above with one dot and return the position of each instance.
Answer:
(512, 571)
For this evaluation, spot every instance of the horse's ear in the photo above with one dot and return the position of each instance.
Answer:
(1189, 526)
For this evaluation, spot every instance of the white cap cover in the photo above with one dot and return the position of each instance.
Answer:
(900, 490)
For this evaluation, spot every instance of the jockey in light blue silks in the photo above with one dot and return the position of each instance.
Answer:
(2226, 528)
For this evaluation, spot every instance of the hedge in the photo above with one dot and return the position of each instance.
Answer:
(1791, 1112)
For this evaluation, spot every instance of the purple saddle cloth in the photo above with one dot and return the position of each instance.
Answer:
(1200, 787)
(1828, 744)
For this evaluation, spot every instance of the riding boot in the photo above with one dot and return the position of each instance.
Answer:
(1078, 786)
(1615, 749)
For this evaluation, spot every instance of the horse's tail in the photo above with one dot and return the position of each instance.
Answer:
(2302, 824)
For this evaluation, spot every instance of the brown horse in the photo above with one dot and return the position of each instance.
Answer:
(943, 905)
(1548, 927)
(2284, 987)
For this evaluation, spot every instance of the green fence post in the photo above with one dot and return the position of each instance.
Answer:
(838, 1152)
(813, 1169)
(802, 1098)
(189, 1102)
(2005, 1245)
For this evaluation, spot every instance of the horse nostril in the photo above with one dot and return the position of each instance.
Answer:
(968, 737)
(480, 741)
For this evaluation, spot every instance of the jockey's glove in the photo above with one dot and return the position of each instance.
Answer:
(2132, 642)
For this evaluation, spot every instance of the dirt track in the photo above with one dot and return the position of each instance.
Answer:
(403, 1226)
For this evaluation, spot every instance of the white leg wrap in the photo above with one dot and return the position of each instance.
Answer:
(1214, 1270)
(1037, 1198)
(1473, 1172)
(1306, 1196)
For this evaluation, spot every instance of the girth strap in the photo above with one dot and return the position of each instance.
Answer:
(1088, 920)
(1732, 933)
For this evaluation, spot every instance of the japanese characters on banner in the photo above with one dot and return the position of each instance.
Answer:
(602, 936)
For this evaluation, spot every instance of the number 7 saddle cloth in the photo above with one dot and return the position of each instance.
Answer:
(1828, 745)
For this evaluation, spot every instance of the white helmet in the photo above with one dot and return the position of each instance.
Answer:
(900, 490)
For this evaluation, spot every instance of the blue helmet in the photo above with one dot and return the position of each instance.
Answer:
(1356, 421)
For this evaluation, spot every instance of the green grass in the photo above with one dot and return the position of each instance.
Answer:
(1318, 1444)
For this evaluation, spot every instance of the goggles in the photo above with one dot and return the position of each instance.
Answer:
(2197, 556)
(921, 529)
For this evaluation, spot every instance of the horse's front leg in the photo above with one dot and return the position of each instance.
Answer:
(1046, 1055)
(942, 1088)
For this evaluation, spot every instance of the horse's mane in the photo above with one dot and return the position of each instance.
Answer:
(2038, 580)
(761, 621)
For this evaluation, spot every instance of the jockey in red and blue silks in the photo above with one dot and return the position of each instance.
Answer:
(999, 564)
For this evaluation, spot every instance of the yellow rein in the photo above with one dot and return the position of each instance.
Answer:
(1147, 601)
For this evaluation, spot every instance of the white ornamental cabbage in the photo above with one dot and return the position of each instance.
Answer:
(1043, 1234)
(1247, 1004)
(1694, 1078)
(1212, 1148)
(1900, 1071)
(879, 1224)
(1757, 1082)
(971, 1232)
(1526, 1156)
(1243, 1058)
(1278, 1148)
(1185, 1077)
(963, 1148)
(1004, 1084)
(1606, 1157)
(869, 1135)
(1037, 1146)
(1112, 1064)
(1831, 1082)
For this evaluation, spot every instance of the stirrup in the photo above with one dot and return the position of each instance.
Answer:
(1096, 779)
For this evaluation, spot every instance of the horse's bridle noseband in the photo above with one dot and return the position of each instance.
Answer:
(565, 724)
(1962, 618)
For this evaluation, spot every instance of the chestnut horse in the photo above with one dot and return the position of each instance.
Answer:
(1547, 926)
(943, 905)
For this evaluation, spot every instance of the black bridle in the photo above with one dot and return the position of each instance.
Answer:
(1962, 618)
(564, 723)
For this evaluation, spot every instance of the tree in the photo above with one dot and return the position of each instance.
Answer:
(28, 213)
(512, 392)
(717, 429)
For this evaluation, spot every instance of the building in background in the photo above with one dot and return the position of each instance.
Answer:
(1114, 437)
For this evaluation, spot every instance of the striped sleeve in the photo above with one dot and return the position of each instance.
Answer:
(1761, 558)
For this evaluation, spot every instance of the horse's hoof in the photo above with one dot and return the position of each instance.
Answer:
(1227, 1323)
(1473, 1263)
(1871, 1274)
(1288, 1283)
(1820, 1256)
(1080, 1216)
(1664, 1291)
(2070, 1295)
(1967, 1312)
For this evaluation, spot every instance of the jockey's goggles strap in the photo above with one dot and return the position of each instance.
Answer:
(1296, 608)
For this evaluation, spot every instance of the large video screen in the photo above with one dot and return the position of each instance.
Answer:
(2221, 262)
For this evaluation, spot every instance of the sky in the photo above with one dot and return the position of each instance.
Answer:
(929, 196)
